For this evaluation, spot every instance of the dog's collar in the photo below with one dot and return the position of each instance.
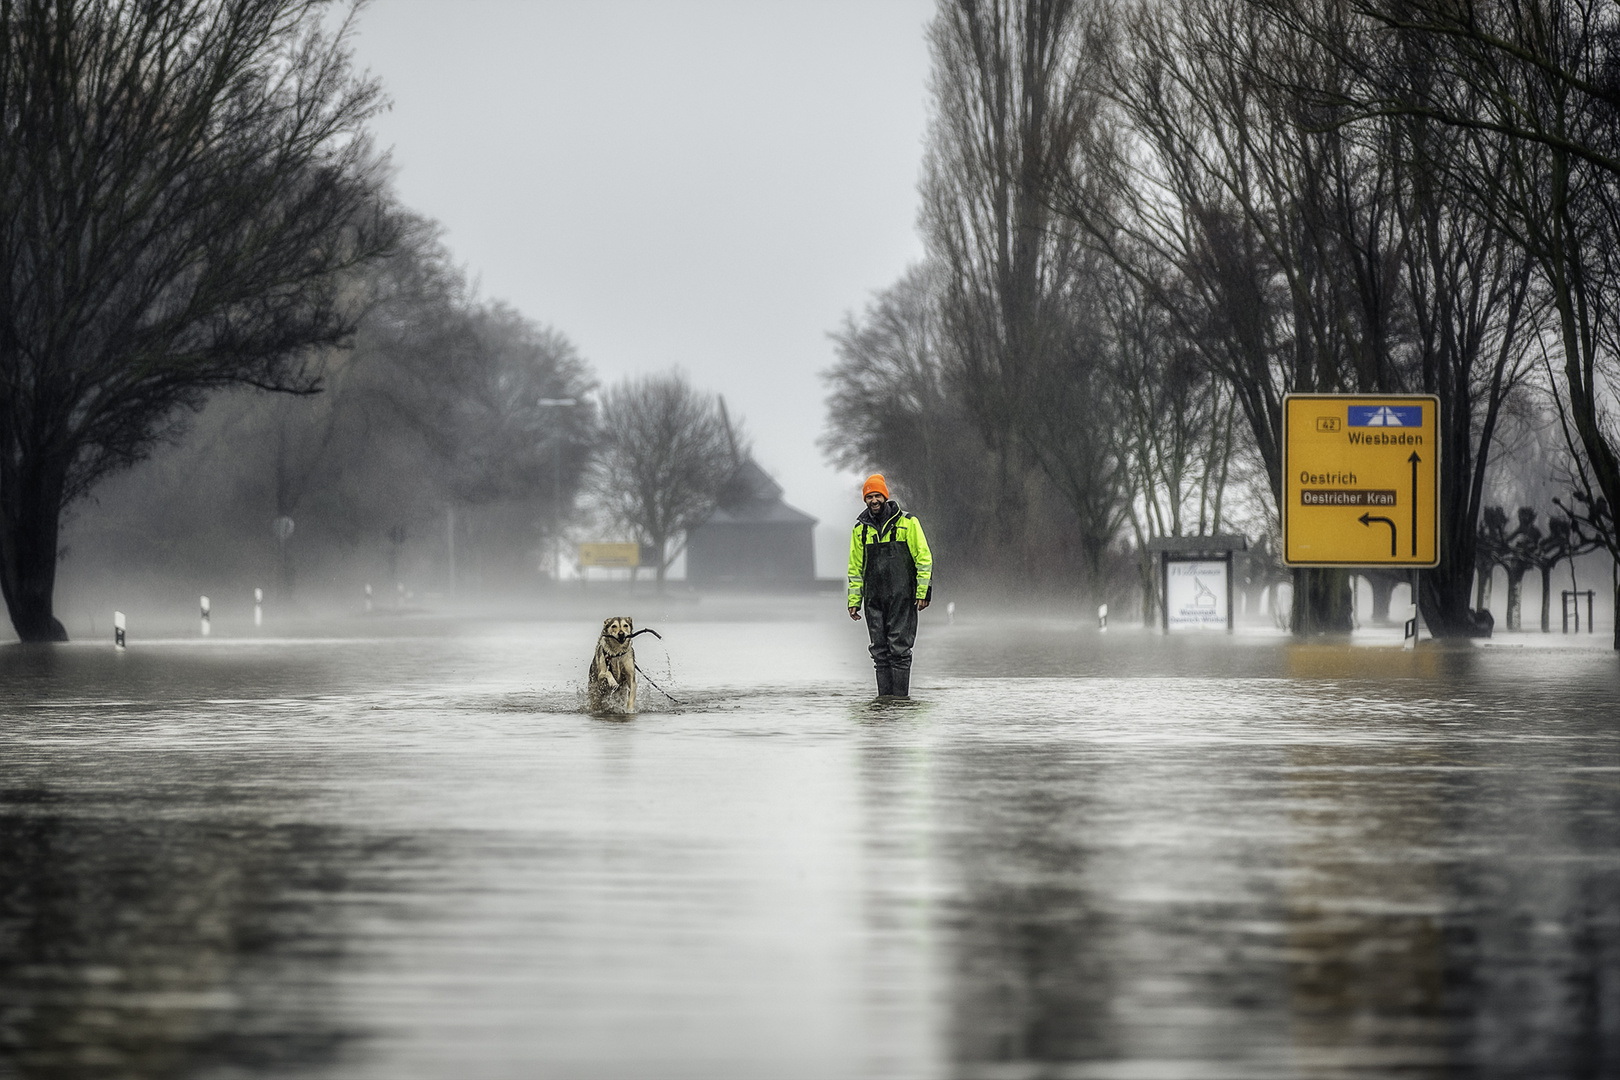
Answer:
(611, 655)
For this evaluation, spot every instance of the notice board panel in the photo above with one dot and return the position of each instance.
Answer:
(1197, 594)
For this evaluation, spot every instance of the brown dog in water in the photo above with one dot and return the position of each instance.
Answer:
(613, 668)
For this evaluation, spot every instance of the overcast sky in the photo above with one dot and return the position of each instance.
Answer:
(702, 184)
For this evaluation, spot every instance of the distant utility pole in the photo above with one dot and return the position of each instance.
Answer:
(283, 527)
(556, 486)
(450, 545)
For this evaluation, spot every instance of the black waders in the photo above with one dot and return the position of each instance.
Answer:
(890, 595)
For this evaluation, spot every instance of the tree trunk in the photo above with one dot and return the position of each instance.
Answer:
(1091, 550)
(1444, 591)
(1322, 602)
(30, 520)
(1546, 599)
(1443, 596)
(1147, 568)
(1484, 576)
(1515, 579)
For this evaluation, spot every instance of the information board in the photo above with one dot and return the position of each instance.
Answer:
(1196, 594)
(1361, 480)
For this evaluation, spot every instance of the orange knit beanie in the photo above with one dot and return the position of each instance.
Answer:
(875, 482)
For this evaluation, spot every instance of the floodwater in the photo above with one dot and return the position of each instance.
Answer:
(409, 852)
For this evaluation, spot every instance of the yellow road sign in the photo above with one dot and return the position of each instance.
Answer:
(1361, 480)
(610, 554)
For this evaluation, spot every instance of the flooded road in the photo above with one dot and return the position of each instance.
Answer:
(1073, 855)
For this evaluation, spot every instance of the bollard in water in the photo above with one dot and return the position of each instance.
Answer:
(1102, 617)
(258, 612)
(1411, 628)
(118, 630)
(207, 627)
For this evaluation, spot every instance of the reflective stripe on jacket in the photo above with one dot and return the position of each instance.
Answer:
(897, 526)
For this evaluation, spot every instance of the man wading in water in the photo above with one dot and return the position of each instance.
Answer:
(890, 568)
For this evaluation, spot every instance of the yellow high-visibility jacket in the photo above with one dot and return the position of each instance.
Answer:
(899, 526)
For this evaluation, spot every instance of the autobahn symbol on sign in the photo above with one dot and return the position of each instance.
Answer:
(1361, 480)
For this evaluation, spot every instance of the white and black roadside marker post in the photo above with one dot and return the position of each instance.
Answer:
(1102, 618)
(258, 610)
(118, 630)
(368, 598)
(950, 613)
(1411, 635)
(207, 624)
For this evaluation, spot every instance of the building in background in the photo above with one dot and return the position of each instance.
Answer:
(753, 539)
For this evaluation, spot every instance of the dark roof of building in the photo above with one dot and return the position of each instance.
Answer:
(751, 497)
(749, 484)
(776, 513)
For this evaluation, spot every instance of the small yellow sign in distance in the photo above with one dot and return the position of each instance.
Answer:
(1361, 480)
(610, 554)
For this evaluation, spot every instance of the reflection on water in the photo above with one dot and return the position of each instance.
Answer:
(1073, 856)
(159, 946)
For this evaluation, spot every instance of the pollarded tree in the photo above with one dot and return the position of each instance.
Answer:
(185, 187)
(665, 455)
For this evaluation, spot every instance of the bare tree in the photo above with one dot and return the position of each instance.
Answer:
(664, 457)
(1013, 100)
(184, 187)
(472, 384)
(1176, 420)
(1473, 315)
(435, 406)
(1277, 280)
(1312, 248)
(893, 408)
(1530, 87)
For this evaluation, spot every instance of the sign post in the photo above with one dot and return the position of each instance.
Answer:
(1361, 480)
(1361, 483)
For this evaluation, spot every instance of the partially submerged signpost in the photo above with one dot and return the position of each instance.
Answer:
(1361, 483)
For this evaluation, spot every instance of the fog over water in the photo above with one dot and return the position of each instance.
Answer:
(402, 848)
(706, 184)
